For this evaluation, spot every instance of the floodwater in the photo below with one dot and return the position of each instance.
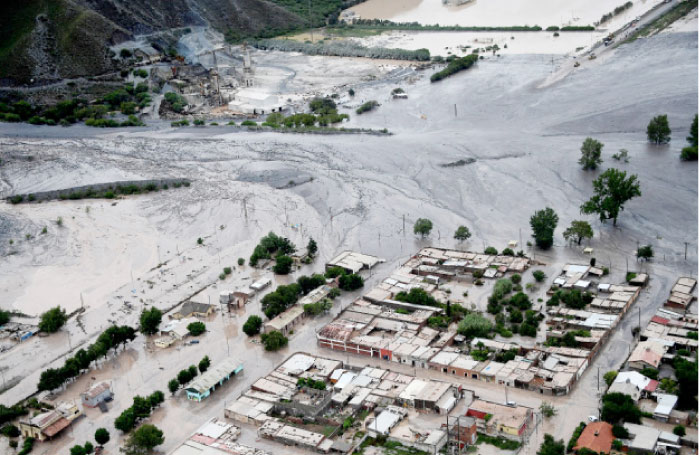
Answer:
(365, 195)
(462, 43)
(494, 13)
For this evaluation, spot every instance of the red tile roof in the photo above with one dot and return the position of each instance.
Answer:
(597, 436)
(651, 387)
(660, 320)
(56, 427)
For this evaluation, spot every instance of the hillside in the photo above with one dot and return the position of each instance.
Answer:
(46, 40)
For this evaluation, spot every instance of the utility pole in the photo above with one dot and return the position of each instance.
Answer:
(455, 110)
(403, 218)
(685, 255)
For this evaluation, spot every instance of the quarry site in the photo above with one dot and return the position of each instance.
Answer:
(247, 227)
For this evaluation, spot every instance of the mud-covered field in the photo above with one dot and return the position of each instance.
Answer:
(521, 140)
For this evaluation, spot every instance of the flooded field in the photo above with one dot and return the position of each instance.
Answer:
(495, 13)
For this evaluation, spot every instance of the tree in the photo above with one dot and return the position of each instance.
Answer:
(423, 226)
(183, 377)
(52, 320)
(77, 450)
(309, 283)
(101, 436)
(620, 407)
(690, 153)
(547, 409)
(252, 325)
(196, 328)
(89, 448)
(539, 275)
(350, 282)
(551, 446)
(687, 376)
(312, 247)
(273, 340)
(173, 385)
(462, 233)
(150, 320)
(543, 223)
(679, 430)
(590, 154)
(578, 231)
(490, 250)
(283, 264)
(611, 191)
(126, 420)
(609, 377)
(645, 252)
(4, 317)
(143, 440)
(193, 371)
(620, 432)
(204, 364)
(475, 325)
(658, 130)
(156, 398)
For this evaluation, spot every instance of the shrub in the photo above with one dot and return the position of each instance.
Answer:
(491, 250)
(248, 123)
(366, 107)
(645, 252)
(52, 320)
(455, 66)
(283, 265)
(516, 278)
(508, 252)
(475, 325)
(679, 430)
(350, 282)
(241, 261)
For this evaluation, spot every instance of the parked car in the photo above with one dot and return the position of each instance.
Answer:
(592, 418)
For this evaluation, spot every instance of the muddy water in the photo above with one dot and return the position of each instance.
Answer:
(497, 12)
(462, 43)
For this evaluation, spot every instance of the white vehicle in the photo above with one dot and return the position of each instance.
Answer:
(592, 418)
(512, 404)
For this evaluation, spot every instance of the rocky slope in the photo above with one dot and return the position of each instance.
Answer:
(46, 40)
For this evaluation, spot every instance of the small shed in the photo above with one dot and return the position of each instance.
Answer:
(97, 394)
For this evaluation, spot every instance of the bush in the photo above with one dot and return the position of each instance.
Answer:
(679, 430)
(609, 377)
(491, 250)
(248, 123)
(475, 325)
(516, 279)
(645, 252)
(455, 66)
(241, 261)
(620, 432)
(508, 252)
(252, 325)
(366, 107)
(539, 275)
(575, 436)
(196, 328)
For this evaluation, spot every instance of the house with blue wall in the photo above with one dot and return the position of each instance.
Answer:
(202, 386)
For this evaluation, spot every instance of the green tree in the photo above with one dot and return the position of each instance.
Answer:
(156, 398)
(423, 226)
(490, 250)
(88, 447)
(619, 407)
(252, 325)
(611, 191)
(350, 282)
(126, 420)
(143, 440)
(620, 432)
(658, 130)
(645, 252)
(609, 377)
(550, 446)
(312, 247)
(679, 430)
(543, 223)
(77, 450)
(184, 376)
(4, 317)
(193, 371)
(273, 340)
(578, 231)
(687, 376)
(462, 233)
(690, 153)
(204, 364)
(196, 328)
(475, 325)
(283, 265)
(52, 320)
(547, 409)
(539, 275)
(150, 320)
(173, 385)
(101, 436)
(591, 151)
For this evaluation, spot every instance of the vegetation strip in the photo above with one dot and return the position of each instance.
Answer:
(342, 49)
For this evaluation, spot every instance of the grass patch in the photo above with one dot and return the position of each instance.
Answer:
(500, 442)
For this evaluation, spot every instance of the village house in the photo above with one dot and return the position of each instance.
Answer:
(202, 386)
(597, 437)
(50, 423)
(97, 394)
(191, 309)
